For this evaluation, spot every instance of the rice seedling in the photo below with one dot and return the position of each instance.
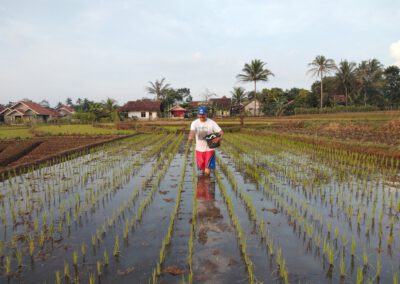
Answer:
(116, 251)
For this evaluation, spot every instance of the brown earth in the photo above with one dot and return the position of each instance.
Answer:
(18, 154)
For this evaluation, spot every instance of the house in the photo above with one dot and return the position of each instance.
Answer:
(25, 111)
(251, 105)
(143, 110)
(178, 111)
(65, 111)
(220, 106)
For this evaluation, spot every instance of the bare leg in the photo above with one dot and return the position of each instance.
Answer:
(207, 171)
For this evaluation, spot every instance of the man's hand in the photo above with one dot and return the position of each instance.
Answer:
(216, 140)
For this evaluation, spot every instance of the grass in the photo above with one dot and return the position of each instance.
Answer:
(79, 129)
(23, 132)
(12, 132)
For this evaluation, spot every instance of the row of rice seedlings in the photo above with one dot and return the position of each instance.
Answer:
(164, 160)
(193, 220)
(240, 234)
(392, 203)
(77, 210)
(258, 221)
(343, 235)
(46, 235)
(47, 196)
(353, 159)
(167, 239)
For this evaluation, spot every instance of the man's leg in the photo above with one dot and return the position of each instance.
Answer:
(201, 161)
(210, 162)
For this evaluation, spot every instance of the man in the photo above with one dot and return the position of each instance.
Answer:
(200, 128)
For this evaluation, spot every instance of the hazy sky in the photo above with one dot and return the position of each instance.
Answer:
(56, 49)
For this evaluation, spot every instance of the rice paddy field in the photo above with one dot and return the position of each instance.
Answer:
(276, 210)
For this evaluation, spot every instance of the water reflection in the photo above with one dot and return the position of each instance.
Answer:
(208, 214)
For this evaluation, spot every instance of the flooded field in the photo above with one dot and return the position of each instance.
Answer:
(137, 211)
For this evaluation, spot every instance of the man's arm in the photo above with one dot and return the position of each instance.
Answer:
(192, 133)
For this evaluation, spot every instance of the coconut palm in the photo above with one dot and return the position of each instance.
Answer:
(109, 106)
(253, 72)
(320, 67)
(158, 88)
(369, 75)
(238, 95)
(346, 75)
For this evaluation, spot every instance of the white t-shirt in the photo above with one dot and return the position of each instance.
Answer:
(202, 129)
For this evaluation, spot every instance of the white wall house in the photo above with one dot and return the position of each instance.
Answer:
(149, 115)
(142, 110)
(251, 105)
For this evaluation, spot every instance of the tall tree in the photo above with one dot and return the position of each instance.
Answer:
(109, 106)
(68, 102)
(254, 72)
(392, 86)
(346, 76)
(320, 67)
(238, 95)
(158, 88)
(369, 75)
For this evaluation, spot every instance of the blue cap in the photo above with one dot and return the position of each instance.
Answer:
(202, 110)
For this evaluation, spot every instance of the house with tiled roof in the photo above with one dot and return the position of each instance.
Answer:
(25, 111)
(142, 109)
(178, 111)
(65, 110)
(221, 106)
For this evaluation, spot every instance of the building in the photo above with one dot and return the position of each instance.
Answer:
(65, 111)
(178, 111)
(143, 110)
(220, 106)
(251, 105)
(27, 111)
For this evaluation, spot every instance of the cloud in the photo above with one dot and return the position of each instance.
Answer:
(395, 52)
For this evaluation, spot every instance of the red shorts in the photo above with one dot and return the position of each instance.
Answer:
(205, 160)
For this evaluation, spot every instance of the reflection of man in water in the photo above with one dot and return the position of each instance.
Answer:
(208, 213)
(205, 189)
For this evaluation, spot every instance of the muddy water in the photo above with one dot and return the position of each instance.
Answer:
(306, 270)
(216, 256)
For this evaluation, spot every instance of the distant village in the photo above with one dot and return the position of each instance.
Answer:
(26, 111)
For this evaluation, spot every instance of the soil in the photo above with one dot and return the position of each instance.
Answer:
(174, 270)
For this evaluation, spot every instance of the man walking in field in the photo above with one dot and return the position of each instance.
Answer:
(200, 128)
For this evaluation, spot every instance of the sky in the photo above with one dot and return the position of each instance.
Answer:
(99, 49)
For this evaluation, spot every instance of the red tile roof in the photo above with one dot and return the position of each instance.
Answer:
(38, 109)
(141, 106)
(224, 102)
(177, 108)
(66, 107)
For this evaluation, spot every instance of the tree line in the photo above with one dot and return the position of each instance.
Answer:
(348, 85)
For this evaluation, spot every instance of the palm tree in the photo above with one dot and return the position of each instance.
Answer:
(320, 67)
(238, 95)
(158, 88)
(254, 72)
(346, 75)
(369, 75)
(109, 106)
